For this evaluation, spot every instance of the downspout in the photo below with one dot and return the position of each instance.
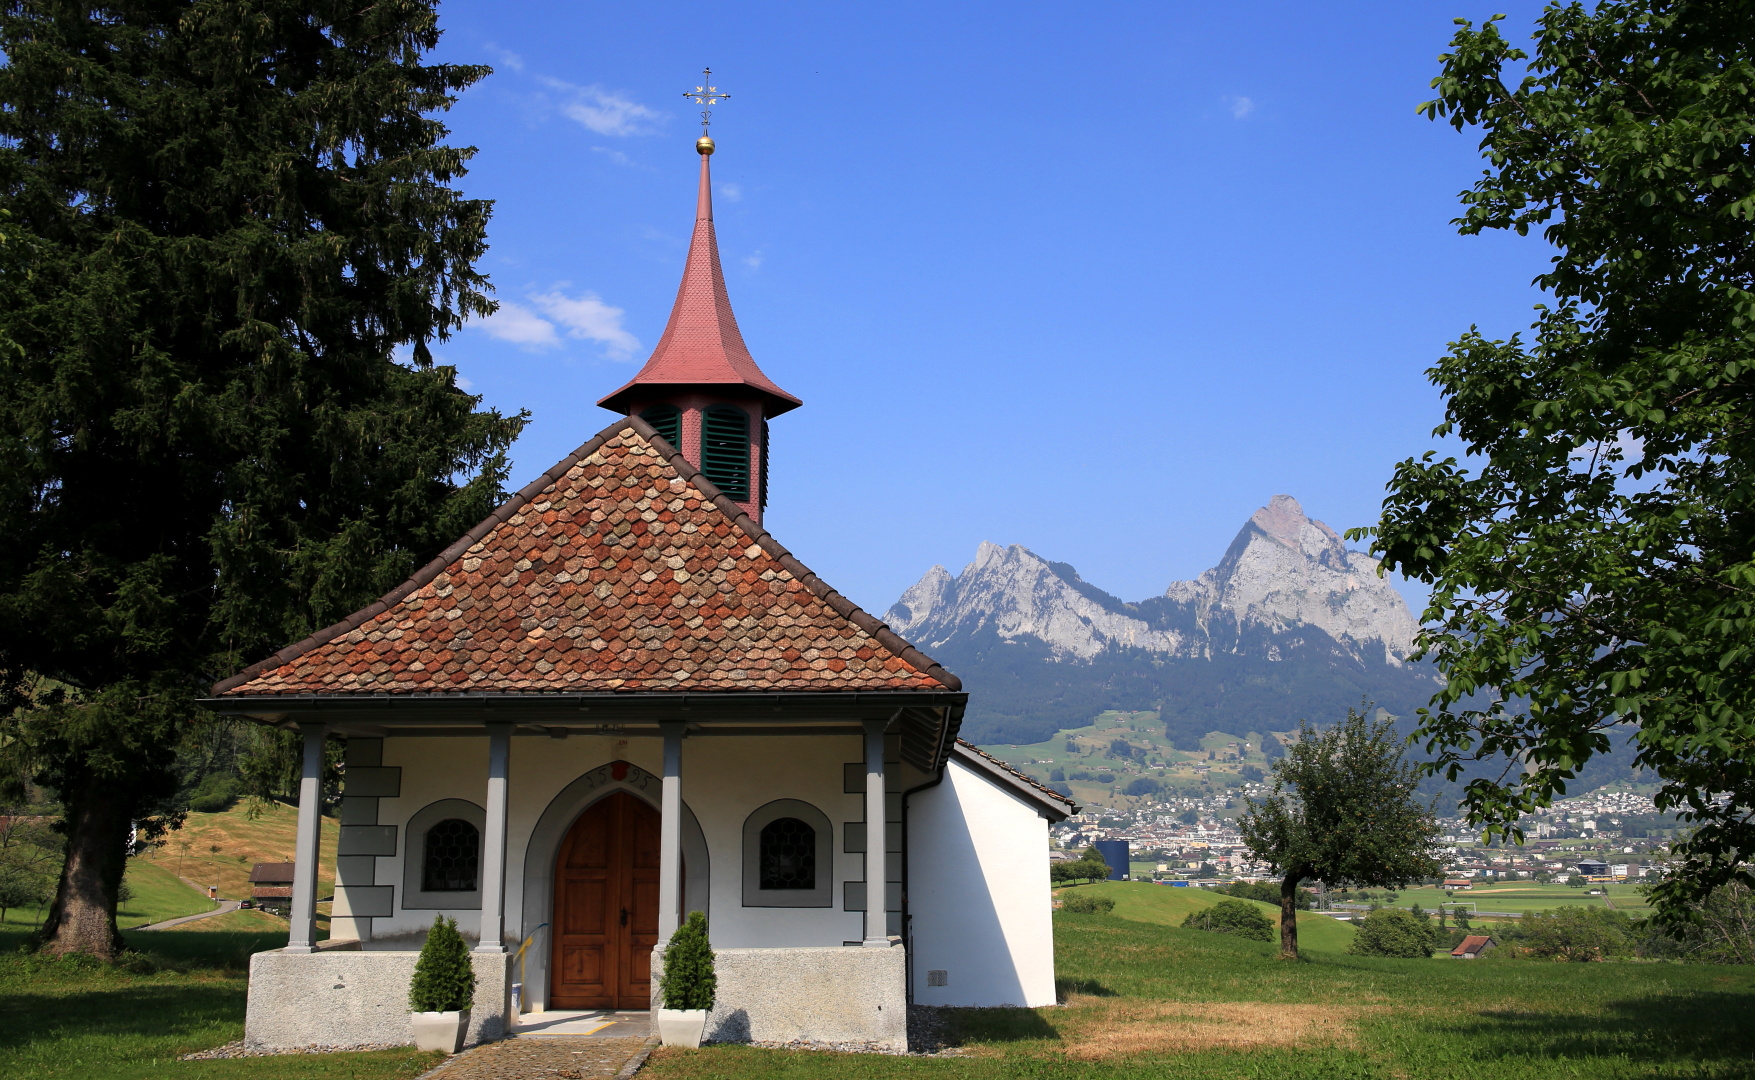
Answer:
(939, 755)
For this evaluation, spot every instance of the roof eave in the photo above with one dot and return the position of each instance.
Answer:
(1053, 806)
(621, 401)
(626, 700)
(927, 720)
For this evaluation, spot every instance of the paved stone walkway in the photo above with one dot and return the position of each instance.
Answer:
(554, 1058)
(601, 1023)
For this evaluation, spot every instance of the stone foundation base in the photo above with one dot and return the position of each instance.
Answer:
(345, 997)
(851, 997)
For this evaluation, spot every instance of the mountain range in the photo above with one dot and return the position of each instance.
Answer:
(1289, 625)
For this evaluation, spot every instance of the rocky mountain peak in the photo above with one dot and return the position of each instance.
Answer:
(1284, 520)
(1018, 593)
(1283, 571)
(1286, 569)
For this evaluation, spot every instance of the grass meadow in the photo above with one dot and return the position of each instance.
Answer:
(181, 992)
(1143, 998)
(1146, 999)
(1168, 905)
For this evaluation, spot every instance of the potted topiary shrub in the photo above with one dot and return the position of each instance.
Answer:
(687, 985)
(442, 990)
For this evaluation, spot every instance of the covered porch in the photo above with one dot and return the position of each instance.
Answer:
(514, 787)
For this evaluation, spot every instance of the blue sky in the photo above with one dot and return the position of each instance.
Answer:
(1097, 279)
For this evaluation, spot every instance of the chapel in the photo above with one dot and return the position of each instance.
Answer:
(619, 700)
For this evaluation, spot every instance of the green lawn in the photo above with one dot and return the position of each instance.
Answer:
(159, 894)
(1168, 905)
(1148, 1001)
(1145, 999)
(79, 1020)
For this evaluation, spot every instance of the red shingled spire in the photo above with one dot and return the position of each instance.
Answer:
(701, 349)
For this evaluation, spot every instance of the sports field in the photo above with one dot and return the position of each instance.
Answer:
(1528, 896)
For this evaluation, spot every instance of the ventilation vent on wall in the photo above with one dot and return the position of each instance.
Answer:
(667, 419)
(935, 977)
(725, 450)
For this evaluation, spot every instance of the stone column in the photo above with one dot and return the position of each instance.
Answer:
(670, 834)
(493, 842)
(303, 937)
(877, 925)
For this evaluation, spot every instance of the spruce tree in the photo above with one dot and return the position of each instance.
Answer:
(231, 236)
(444, 977)
(689, 980)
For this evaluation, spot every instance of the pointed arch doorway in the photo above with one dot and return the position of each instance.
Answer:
(606, 907)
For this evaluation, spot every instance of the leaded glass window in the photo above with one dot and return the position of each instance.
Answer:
(789, 855)
(453, 852)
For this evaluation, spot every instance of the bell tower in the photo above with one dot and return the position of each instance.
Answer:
(701, 388)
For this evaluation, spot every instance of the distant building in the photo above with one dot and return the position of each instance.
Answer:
(271, 884)
(1474, 946)
(1458, 883)
(1115, 853)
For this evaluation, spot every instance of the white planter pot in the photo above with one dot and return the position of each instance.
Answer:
(439, 1030)
(682, 1027)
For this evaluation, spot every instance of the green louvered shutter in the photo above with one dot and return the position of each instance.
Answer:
(725, 450)
(667, 420)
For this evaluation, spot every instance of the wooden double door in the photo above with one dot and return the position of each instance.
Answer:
(606, 907)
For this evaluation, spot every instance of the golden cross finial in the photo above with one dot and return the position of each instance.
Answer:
(706, 96)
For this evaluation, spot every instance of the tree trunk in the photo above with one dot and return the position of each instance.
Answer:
(1289, 916)
(83, 917)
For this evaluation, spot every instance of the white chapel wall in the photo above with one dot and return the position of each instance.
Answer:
(978, 894)
(725, 779)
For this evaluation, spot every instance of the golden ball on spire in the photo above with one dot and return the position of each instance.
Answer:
(703, 145)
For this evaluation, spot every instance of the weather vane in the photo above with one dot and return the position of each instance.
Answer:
(706, 96)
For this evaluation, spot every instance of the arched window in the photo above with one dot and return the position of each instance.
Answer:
(667, 419)
(788, 854)
(725, 450)
(452, 854)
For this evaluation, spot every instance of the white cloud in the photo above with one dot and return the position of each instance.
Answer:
(589, 318)
(463, 384)
(731, 192)
(603, 111)
(1240, 106)
(753, 260)
(615, 156)
(522, 327)
(506, 57)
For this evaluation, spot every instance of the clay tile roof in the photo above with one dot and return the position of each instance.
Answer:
(580, 584)
(701, 345)
(272, 873)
